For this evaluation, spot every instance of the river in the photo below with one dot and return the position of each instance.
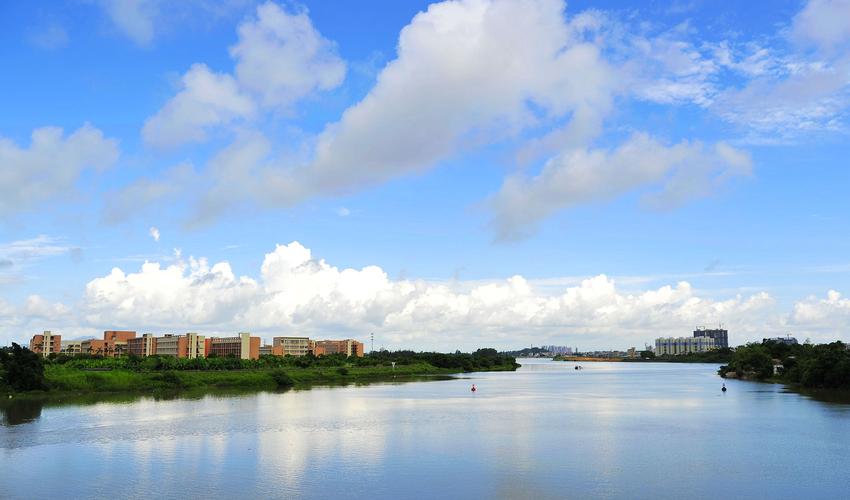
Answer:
(611, 430)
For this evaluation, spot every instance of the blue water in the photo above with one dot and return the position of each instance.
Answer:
(612, 430)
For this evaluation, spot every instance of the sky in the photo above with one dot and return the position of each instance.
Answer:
(450, 175)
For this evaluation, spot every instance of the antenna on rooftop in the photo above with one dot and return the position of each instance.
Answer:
(372, 338)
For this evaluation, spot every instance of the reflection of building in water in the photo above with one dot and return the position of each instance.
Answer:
(675, 346)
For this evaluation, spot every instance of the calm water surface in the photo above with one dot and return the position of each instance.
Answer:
(612, 430)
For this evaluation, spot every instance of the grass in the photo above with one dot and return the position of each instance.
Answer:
(62, 379)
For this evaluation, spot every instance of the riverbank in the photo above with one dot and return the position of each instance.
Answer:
(63, 381)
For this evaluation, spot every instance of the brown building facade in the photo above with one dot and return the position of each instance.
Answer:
(46, 343)
(243, 346)
(349, 347)
(292, 346)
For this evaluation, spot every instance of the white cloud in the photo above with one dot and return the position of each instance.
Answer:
(50, 167)
(825, 23)
(282, 58)
(206, 100)
(682, 171)
(298, 293)
(154, 232)
(823, 315)
(143, 20)
(343, 212)
(466, 73)
(135, 18)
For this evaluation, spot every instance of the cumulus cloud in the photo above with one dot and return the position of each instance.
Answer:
(49, 168)
(206, 100)
(282, 57)
(828, 314)
(682, 171)
(298, 293)
(295, 292)
(466, 73)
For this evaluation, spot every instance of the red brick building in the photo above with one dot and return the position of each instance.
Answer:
(46, 343)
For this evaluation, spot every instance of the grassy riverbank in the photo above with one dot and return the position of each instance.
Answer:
(26, 373)
(65, 379)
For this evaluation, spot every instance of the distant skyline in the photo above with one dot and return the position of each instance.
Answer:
(448, 175)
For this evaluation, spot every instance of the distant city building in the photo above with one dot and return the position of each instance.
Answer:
(348, 347)
(632, 353)
(244, 346)
(292, 346)
(558, 349)
(720, 336)
(675, 346)
(72, 347)
(787, 340)
(46, 343)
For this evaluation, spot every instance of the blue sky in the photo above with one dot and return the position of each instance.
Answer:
(447, 175)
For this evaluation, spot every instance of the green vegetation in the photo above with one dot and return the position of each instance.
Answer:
(88, 374)
(20, 370)
(722, 355)
(822, 366)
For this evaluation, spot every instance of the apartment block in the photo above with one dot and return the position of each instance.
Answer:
(142, 346)
(116, 341)
(349, 347)
(72, 347)
(243, 346)
(190, 345)
(720, 335)
(675, 346)
(271, 350)
(95, 347)
(292, 346)
(46, 343)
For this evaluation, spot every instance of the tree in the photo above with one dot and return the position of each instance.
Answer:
(23, 370)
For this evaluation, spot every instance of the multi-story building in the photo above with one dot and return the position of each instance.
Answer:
(94, 347)
(271, 350)
(720, 336)
(46, 343)
(349, 347)
(292, 346)
(72, 347)
(142, 346)
(116, 341)
(190, 345)
(244, 346)
(675, 346)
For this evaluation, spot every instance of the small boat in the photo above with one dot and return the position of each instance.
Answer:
(723, 388)
(473, 388)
